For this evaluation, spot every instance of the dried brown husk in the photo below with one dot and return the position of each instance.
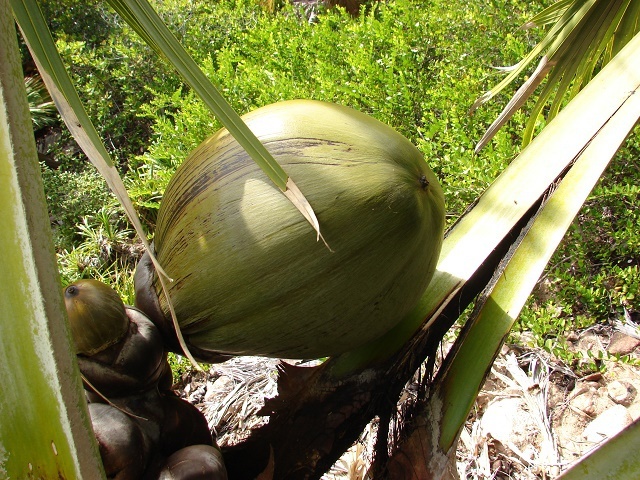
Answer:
(138, 362)
(250, 275)
(196, 461)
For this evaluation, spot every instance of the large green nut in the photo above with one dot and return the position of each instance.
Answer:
(250, 277)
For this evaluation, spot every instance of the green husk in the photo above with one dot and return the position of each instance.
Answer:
(96, 314)
(250, 280)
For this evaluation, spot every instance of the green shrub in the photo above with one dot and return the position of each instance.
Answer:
(105, 251)
(92, 23)
(70, 197)
(417, 66)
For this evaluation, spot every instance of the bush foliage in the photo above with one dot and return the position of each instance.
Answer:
(417, 66)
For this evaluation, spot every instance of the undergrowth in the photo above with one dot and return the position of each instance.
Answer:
(417, 66)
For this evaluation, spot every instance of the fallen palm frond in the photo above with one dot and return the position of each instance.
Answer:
(235, 392)
(627, 325)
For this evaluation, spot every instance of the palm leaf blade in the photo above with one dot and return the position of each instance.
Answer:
(45, 431)
(583, 39)
(146, 22)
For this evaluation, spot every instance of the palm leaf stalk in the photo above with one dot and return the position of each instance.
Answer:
(584, 36)
(366, 382)
(491, 324)
(45, 431)
(485, 332)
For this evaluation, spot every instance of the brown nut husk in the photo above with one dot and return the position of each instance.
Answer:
(96, 315)
(123, 447)
(145, 409)
(135, 364)
(183, 425)
(196, 462)
(250, 278)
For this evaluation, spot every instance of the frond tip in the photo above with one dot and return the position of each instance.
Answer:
(583, 37)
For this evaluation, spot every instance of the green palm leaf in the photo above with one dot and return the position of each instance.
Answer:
(45, 430)
(584, 36)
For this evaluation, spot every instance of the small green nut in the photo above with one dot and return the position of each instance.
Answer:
(96, 314)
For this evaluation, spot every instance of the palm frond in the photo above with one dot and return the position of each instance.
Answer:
(42, 109)
(549, 15)
(584, 36)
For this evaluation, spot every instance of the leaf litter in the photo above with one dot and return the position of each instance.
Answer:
(534, 417)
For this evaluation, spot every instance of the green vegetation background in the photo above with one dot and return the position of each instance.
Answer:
(415, 65)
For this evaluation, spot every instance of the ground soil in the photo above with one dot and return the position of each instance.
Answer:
(535, 416)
